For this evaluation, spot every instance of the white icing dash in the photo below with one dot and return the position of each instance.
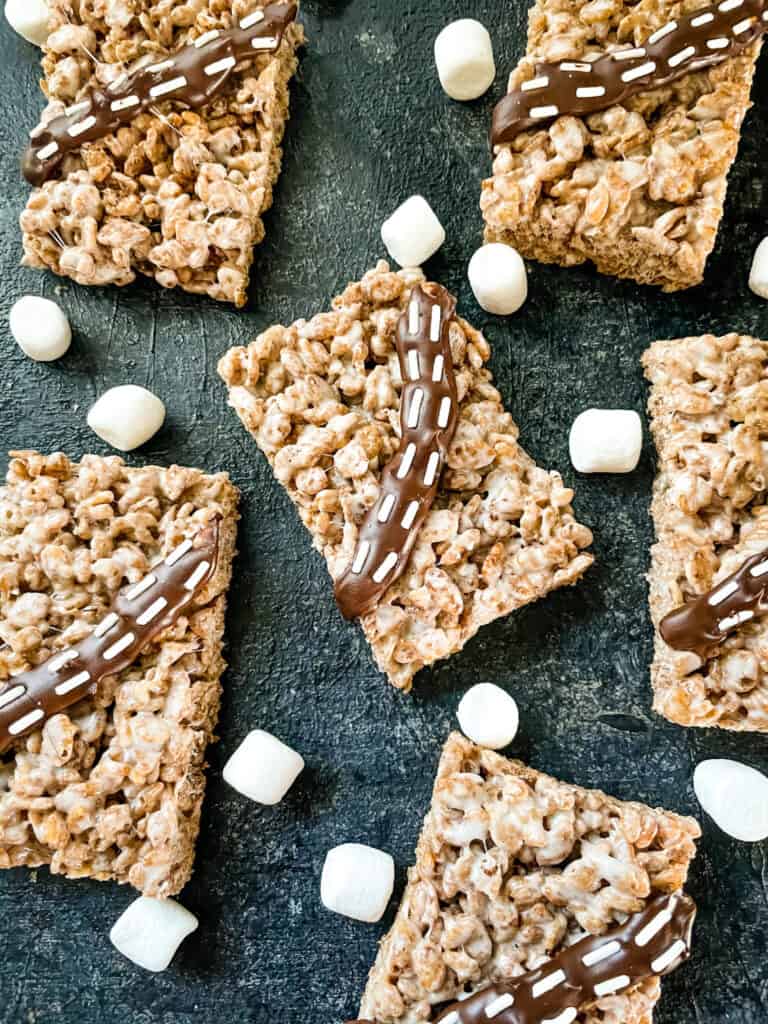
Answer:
(50, 150)
(78, 108)
(566, 1017)
(538, 112)
(640, 71)
(385, 510)
(734, 620)
(264, 43)
(107, 623)
(407, 461)
(225, 64)
(653, 927)
(141, 586)
(413, 364)
(661, 963)
(118, 83)
(720, 595)
(729, 5)
(410, 515)
(576, 65)
(119, 646)
(414, 412)
(152, 612)
(61, 660)
(662, 32)
(607, 988)
(386, 567)
(547, 984)
(11, 695)
(681, 56)
(72, 684)
(252, 19)
(125, 103)
(437, 370)
(197, 576)
(759, 570)
(156, 69)
(586, 92)
(179, 552)
(207, 37)
(597, 956)
(435, 324)
(82, 126)
(535, 83)
(742, 26)
(631, 54)
(25, 721)
(499, 1005)
(414, 318)
(702, 19)
(445, 413)
(718, 44)
(433, 465)
(765, 15)
(360, 557)
(170, 86)
(452, 1018)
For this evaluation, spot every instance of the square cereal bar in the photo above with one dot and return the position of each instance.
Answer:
(709, 414)
(179, 194)
(321, 399)
(637, 188)
(511, 867)
(112, 787)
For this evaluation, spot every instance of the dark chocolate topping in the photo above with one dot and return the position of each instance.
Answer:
(703, 623)
(689, 43)
(192, 77)
(428, 416)
(139, 613)
(651, 943)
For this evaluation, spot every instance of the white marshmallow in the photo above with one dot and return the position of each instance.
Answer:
(150, 931)
(30, 18)
(606, 441)
(498, 278)
(488, 716)
(464, 58)
(758, 275)
(357, 882)
(413, 233)
(263, 768)
(40, 327)
(126, 416)
(735, 796)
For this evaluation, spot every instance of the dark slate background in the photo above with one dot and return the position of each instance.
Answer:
(371, 126)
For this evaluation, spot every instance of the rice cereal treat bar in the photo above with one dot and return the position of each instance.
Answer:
(112, 597)
(383, 424)
(512, 868)
(160, 145)
(615, 140)
(709, 412)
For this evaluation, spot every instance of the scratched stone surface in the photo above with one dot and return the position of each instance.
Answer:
(370, 126)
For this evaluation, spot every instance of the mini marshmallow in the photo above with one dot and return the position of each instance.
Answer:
(498, 278)
(126, 416)
(413, 233)
(30, 18)
(150, 931)
(488, 716)
(357, 882)
(758, 275)
(263, 768)
(40, 327)
(735, 796)
(464, 59)
(606, 441)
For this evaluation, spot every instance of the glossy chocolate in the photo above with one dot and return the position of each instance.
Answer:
(191, 77)
(139, 613)
(689, 43)
(428, 417)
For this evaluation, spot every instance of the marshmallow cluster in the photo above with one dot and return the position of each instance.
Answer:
(357, 882)
(758, 275)
(40, 328)
(263, 768)
(488, 716)
(606, 441)
(30, 18)
(735, 796)
(498, 278)
(150, 931)
(464, 59)
(126, 416)
(413, 233)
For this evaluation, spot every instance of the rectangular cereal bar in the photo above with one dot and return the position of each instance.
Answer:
(177, 192)
(111, 788)
(637, 188)
(513, 866)
(321, 399)
(709, 413)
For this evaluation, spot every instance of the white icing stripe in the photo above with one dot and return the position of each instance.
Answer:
(653, 927)
(413, 364)
(603, 953)
(683, 55)
(662, 32)
(78, 108)
(414, 318)
(24, 723)
(252, 19)
(119, 646)
(452, 1018)
(720, 595)
(179, 552)
(734, 620)
(662, 962)
(407, 461)
(434, 327)
(360, 557)
(61, 660)
(11, 695)
(118, 83)
(208, 37)
(639, 72)
(718, 44)
(547, 984)
(141, 586)
(125, 103)
(539, 112)
(264, 43)
(444, 414)
(742, 26)
(702, 19)
(729, 5)
(385, 510)
(170, 86)
(410, 515)
(107, 623)
(437, 373)
(607, 988)
(164, 65)
(632, 54)
(535, 83)
(197, 576)
(72, 684)
(225, 64)
(50, 150)
(152, 612)
(414, 412)
(566, 1017)
(576, 65)
(586, 92)
(82, 126)
(433, 465)
(760, 569)
(499, 1005)
(385, 568)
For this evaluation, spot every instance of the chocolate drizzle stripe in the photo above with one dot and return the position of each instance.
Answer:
(428, 417)
(139, 613)
(650, 943)
(689, 43)
(704, 623)
(192, 76)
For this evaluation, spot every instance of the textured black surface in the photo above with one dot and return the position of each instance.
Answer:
(371, 126)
